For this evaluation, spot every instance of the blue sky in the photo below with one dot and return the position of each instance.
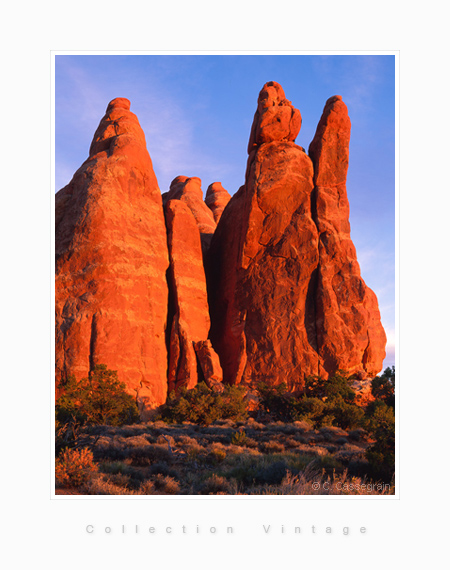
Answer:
(196, 112)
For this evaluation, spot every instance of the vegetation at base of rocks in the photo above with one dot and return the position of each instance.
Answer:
(204, 442)
(99, 399)
(322, 402)
(74, 467)
(383, 387)
(203, 406)
(158, 458)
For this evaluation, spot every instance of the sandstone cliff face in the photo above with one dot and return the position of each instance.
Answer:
(272, 266)
(350, 336)
(111, 258)
(216, 199)
(189, 191)
(191, 321)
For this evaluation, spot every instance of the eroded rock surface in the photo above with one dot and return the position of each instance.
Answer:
(111, 259)
(189, 191)
(350, 336)
(264, 255)
(191, 321)
(286, 295)
(216, 199)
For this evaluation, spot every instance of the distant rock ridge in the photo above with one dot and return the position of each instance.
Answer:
(170, 289)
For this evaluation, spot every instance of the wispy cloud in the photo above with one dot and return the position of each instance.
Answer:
(169, 129)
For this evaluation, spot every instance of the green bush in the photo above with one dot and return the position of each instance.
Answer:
(381, 454)
(346, 415)
(98, 399)
(239, 438)
(204, 406)
(336, 386)
(383, 387)
(324, 402)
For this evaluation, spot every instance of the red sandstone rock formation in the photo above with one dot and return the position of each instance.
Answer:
(274, 316)
(350, 336)
(189, 191)
(216, 199)
(276, 119)
(191, 322)
(111, 259)
(284, 286)
(264, 254)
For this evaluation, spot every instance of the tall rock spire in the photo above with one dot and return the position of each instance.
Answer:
(349, 331)
(264, 255)
(111, 260)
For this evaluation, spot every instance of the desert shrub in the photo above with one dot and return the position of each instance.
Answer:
(381, 454)
(336, 386)
(67, 434)
(160, 467)
(267, 469)
(271, 447)
(217, 454)
(215, 484)
(148, 454)
(383, 387)
(99, 485)
(323, 403)
(310, 409)
(122, 474)
(345, 414)
(166, 485)
(358, 434)
(239, 438)
(74, 467)
(147, 488)
(204, 406)
(99, 399)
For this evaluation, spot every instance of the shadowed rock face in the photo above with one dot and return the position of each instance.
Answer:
(349, 331)
(281, 248)
(216, 199)
(191, 321)
(111, 258)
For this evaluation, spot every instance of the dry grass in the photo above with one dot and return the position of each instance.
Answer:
(155, 458)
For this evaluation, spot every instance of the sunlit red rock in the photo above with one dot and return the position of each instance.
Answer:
(263, 259)
(111, 259)
(350, 336)
(216, 199)
(191, 321)
(189, 191)
(276, 119)
(287, 299)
